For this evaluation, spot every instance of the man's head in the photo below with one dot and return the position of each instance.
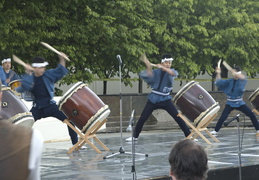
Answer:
(6, 63)
(188, 161)
(237, 72)
(166, 60)
(39, 64)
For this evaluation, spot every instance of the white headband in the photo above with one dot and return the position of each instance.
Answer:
(40, 64)
(6, 60)
(166, 59)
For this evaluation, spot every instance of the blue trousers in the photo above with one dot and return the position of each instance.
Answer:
(244, 109)
(52, 110)
(166, 105)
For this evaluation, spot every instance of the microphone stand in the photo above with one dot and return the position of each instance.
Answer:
(121, 150)
(133, 169)
(239, 143)
(239, 149)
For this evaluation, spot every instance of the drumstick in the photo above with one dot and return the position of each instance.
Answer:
(151, 64)
(54, 50)
(143, 58)
(219, 63)
(227, 66)
(19, 61)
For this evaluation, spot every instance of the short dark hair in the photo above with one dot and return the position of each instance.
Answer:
(166, 56)
(188, 161)
(38, 59)
(237, 68)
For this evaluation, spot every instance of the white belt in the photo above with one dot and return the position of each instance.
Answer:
(235, 100)
(160, 93)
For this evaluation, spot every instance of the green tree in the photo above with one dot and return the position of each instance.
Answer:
(92, 32)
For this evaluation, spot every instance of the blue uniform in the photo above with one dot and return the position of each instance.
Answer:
(234, 90)
(43, 90)
(162, 84)
(2, 76)
(13, 75)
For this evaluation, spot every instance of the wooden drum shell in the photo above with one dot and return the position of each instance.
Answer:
(14, 110)
(195, 102)
(83, 107)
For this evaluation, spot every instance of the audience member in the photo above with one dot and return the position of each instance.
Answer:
(188, 161)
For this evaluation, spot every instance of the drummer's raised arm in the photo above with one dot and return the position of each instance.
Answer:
(218, 73)
(62, 60)
(168, 70)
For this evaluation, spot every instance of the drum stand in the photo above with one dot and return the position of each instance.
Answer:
(202, 126)
(255, 111)
(84, 138)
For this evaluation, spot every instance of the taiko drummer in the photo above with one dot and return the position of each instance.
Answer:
(41, 84)
(9, 73)
(161, 81)
(234, 89)
(2, 76)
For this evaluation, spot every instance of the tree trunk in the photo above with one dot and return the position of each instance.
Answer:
(104, 87)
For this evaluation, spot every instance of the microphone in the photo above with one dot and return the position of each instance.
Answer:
(119, 59)
(228, 122)
(129, 128)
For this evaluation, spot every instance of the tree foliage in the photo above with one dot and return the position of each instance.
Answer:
(92, 32)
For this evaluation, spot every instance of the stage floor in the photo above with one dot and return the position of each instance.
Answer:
(87, 164)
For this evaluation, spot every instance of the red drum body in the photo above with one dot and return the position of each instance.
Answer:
(195, 102)
(254, 99)
(83, 107)
(14, 110)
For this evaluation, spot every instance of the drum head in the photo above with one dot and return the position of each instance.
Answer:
(100, 116)
(15, 83)
(206, 115)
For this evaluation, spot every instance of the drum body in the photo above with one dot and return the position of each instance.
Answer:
(14, 84)
(14, 110)
(254, 99)
(83, 107)
(195, 103)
